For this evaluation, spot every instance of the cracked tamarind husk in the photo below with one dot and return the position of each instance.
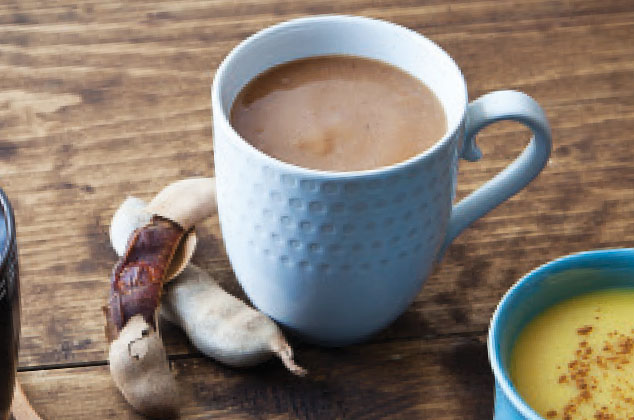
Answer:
(220, 325)
(140, 369)
(154, 254)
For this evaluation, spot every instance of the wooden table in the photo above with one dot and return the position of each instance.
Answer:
(100, 100)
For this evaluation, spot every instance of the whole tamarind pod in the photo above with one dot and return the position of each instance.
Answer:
(222, 326)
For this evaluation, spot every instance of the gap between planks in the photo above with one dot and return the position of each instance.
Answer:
(197, 355)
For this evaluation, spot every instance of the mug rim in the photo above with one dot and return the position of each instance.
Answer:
(8, 220)
(239, 141)
(582, 259)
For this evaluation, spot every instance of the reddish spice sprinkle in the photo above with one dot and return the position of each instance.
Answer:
(613, 355)
(585, 330)
(626, 346)
(603, 416)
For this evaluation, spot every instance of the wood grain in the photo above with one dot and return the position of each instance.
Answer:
(100, 100)
(402, 379)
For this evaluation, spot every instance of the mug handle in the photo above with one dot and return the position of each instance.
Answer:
(492, 107)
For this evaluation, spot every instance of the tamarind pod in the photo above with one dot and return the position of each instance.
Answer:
(137, 280)
(155, 253)
(140, 369)
(155, 245)
(220, 325)
(141, 300)
(122, 225)
(186, 202)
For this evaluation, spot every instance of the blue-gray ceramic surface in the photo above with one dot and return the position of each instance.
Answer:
(336, 256)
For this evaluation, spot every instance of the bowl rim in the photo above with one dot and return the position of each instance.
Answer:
(585, 259)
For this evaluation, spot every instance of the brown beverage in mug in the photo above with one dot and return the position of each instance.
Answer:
(340, 113)
(9, 307)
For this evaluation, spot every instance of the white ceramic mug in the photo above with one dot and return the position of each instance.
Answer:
(337, 256)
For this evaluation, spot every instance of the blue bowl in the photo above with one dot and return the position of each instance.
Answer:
(532, 294)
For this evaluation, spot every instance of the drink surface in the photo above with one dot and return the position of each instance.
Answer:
(340, 113)
(576, 361)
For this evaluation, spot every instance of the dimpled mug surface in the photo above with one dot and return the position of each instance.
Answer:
(330, 245)
(336, 256)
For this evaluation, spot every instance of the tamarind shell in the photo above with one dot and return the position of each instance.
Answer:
(137, 280)
(186, 202)
(140, 369)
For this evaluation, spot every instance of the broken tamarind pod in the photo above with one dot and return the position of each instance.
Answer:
(220, 325)
(155, 253)
(140, 369)
(20, 407)
(137, 357)
(137, 280)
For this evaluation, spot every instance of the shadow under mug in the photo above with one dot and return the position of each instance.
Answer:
(337, 256)
(9, 306)
(542, 288)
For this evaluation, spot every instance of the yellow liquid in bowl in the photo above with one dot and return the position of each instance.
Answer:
(576, 359)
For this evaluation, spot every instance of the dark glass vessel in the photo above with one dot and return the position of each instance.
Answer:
(9, 306)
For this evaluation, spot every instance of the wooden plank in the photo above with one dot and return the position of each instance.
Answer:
(439, 379)
(98, 101)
